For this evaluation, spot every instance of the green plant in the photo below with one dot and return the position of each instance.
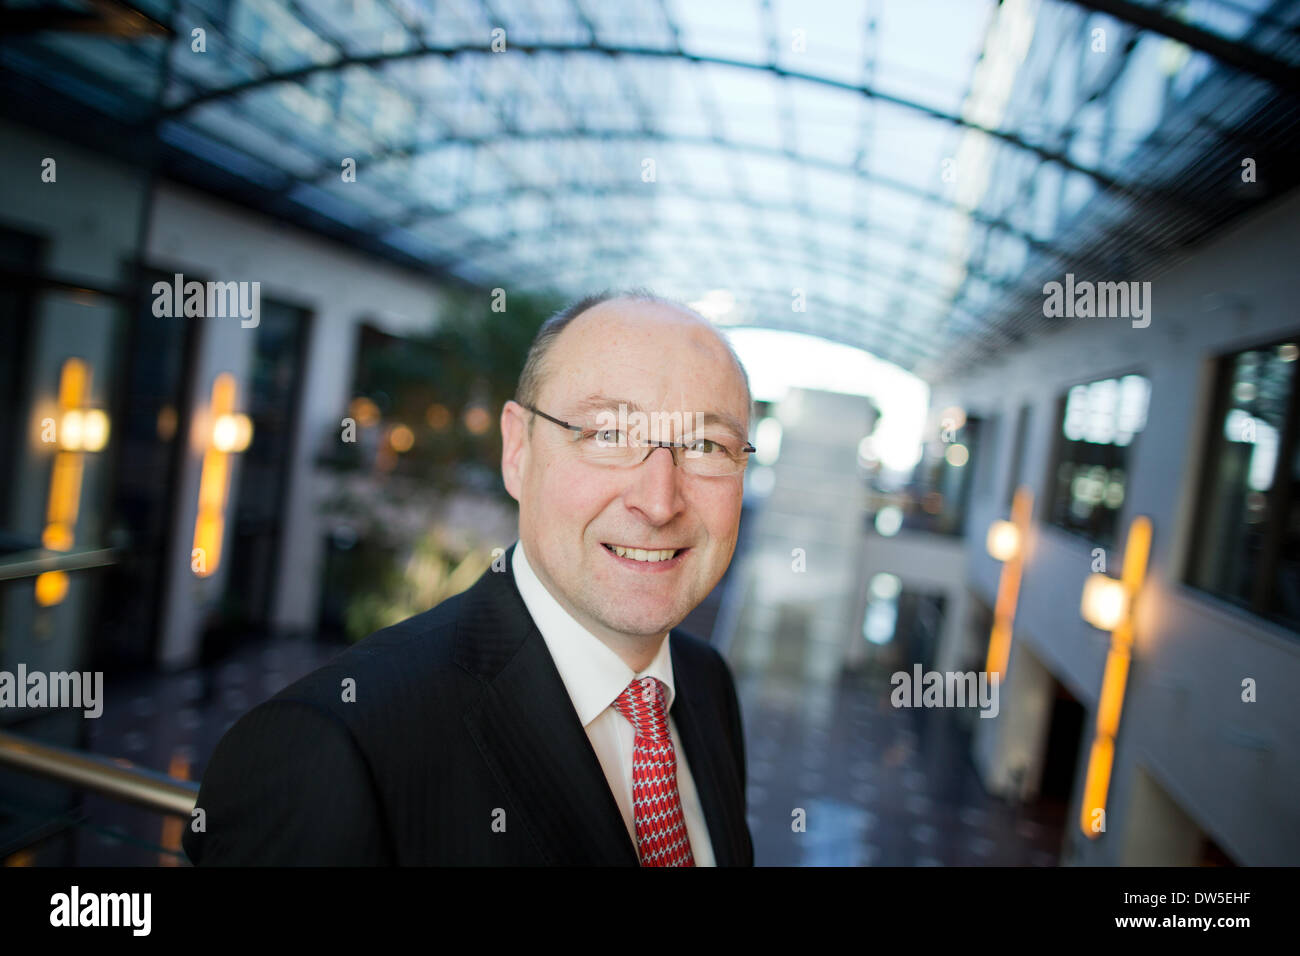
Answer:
(442, 391)
(436, 568)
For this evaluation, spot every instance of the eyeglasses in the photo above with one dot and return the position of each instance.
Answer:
(708, 457)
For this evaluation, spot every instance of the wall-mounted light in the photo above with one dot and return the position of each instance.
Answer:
(1003, 542)
(83, 430)
(1108, 604)
(77, 430)
(1104, 602)
(1006, 543)
(230, 433)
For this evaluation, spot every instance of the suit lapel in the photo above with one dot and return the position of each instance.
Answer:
(720, 803)
(529, 734)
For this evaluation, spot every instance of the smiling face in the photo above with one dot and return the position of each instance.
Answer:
(573, 514)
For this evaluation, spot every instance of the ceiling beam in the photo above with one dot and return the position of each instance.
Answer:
(452, 51)
(1245, 59)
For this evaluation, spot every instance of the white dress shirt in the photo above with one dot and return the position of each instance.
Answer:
(594, 676)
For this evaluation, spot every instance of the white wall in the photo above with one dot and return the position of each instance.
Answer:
(1234, 767)
(190, 232)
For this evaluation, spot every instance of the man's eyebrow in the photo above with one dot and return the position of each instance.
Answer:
(597, 403)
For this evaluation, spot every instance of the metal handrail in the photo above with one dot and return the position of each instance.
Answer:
(28, 564)
(112, 778)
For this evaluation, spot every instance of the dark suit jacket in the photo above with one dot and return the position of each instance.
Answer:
(460, 719)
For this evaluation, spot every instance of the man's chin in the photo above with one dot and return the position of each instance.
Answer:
(642, 625)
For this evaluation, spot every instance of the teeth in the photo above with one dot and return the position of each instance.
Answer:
(640, 554)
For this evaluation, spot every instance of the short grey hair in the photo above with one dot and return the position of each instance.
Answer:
(534, 371)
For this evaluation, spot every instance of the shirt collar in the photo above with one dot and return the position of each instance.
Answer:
(592, 673)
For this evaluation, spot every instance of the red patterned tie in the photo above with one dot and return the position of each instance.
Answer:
(660, 826)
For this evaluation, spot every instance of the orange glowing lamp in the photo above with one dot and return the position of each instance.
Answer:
(1006, 543)
(231, 432)
(1003, 542)
(1108, 604)
(77, 430)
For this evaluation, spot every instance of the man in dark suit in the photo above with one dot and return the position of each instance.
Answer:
(552, 713)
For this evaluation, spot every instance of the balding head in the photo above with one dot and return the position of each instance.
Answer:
(536, 366)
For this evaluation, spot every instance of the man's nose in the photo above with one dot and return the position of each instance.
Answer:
(656, 489)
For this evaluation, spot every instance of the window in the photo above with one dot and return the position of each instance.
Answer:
(1089, 477)
(1247, 541)
(986, 462)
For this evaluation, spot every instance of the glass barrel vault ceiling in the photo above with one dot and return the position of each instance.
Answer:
(910, 171)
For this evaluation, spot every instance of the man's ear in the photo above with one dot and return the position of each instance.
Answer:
(514, 446)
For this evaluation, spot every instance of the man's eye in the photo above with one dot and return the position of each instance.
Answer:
(707, 446)
(604, 436)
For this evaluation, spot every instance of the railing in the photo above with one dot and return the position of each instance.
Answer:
(28, 564)
(113, 778)
(103, 775)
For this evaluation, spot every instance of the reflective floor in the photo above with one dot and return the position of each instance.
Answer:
(879, 786)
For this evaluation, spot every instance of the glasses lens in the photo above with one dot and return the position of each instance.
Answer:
(613, 448)
(712, 456)
(608, 446)
(712, 468)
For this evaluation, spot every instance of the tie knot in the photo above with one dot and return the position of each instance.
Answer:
(642, 703)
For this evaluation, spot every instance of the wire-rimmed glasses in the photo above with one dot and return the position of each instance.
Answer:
(708, 457)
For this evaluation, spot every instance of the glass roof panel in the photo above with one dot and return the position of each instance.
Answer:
(915, 61)
(913, 179)
(730, 29)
